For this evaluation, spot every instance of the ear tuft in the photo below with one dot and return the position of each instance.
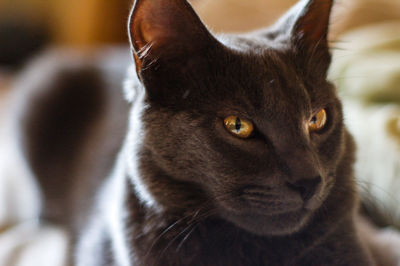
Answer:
(147, 24)
(165, 28)
(305, 27)
(313, 22)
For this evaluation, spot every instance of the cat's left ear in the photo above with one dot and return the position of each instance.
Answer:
(307, 25)
(166, 29)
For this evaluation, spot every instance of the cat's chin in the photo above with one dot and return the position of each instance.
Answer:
(271, 225)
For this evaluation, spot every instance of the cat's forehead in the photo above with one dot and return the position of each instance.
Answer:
(261, 76)
(272, 58)
(183, 65)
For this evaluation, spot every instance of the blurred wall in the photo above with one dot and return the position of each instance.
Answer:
(92, 22)
(244, 15)
(240, 15)
(73, 22)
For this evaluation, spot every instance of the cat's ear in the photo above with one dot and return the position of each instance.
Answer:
(165, 29)
(306, 25)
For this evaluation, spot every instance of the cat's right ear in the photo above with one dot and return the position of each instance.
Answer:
(165, 29)
(306, 27)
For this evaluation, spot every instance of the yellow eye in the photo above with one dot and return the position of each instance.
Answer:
(318, 121)
(239, 127)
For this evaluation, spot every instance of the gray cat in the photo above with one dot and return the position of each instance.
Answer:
(235, 152)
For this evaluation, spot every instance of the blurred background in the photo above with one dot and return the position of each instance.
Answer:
(365, 37)
(27, 26)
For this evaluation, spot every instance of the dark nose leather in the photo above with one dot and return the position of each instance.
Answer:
(306, 187)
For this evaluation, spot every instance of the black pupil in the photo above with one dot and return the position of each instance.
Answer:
(314, 120)
(238, 124)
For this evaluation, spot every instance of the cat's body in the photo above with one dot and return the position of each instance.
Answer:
(183, 190)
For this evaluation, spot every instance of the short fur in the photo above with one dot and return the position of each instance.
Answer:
(183, 190)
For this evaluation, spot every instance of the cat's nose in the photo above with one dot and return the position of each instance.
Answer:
(306, 187)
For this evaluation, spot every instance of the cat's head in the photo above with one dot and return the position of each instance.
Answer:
(246, 123)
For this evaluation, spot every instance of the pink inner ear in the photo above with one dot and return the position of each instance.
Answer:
(147, 32)
(161, 21)
(140, 27)
(315, 22)
(154, 21)
(166, 29)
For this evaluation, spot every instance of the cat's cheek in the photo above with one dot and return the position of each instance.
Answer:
(331, 150)
(320, 196)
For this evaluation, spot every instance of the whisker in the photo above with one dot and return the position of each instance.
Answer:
(185, 238)
(164, 232)
(192, 224)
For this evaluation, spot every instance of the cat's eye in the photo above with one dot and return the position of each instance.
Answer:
(318, 121)
(239, 127)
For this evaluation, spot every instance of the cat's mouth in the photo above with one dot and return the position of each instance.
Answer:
(267, 211)
(266, 202)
